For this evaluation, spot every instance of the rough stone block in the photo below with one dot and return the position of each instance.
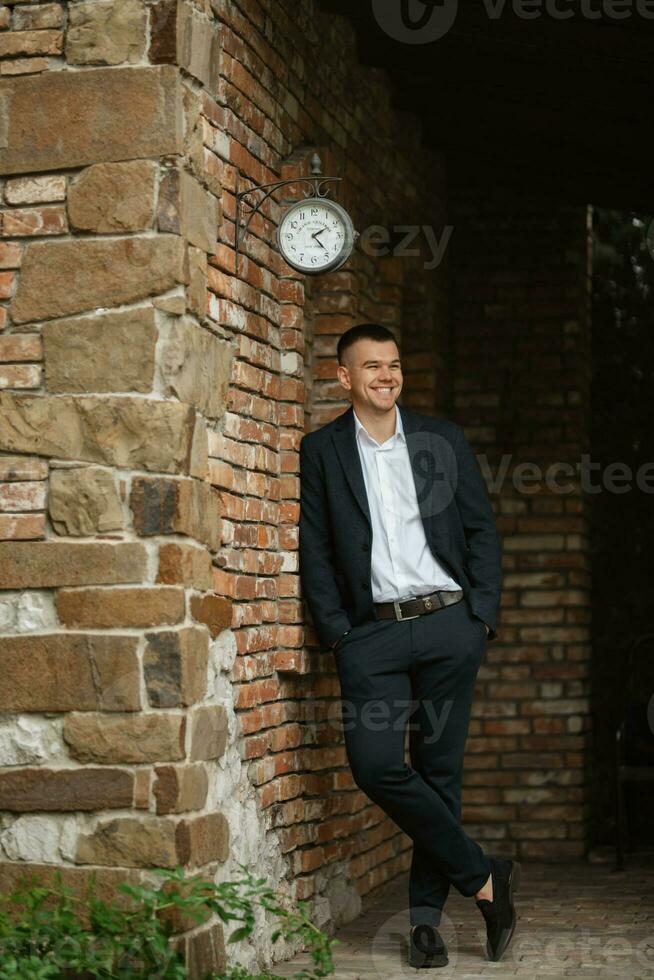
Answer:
(103, 32)
(30, 43)
(162, 506)
(62, 277)
(185, 564)
(151, 737)
(49, 564)
(105, 884)
(214, 611)
(180, 788)
(183, 35)
(142, 788)
(196, 291)
(208, 732)
(132, 843)
(196, 366)
(199, 462)
(107, 608)
(146, 118)
(173, 918)
(204, 839)
(103, 352)
(205, 951)
(175, 667)
(175, 304)
(163, 32)
(113, 197)
(198, 46)
(37, 18)
(27, 740)
(65, 789)
(186, 208)
(69, 671)
(84, 501)
(131, 433)
(23, 66)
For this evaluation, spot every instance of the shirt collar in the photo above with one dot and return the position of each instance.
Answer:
(399, 428)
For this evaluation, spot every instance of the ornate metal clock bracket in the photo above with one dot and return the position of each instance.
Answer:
(246, 210)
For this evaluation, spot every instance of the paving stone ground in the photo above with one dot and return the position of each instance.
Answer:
(574, 920)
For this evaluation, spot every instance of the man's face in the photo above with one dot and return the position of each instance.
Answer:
(372, 373)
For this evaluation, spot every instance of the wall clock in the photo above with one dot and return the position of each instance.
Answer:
(316, 235)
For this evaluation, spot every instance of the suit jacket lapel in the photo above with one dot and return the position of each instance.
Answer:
(344, 437)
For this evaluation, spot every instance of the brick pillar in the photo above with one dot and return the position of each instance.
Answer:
(520, 321)
(112, 378)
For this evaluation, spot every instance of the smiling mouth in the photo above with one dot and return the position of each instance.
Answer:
(386, 390)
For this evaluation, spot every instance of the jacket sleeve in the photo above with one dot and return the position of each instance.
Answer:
(317, 575)
(484, 559)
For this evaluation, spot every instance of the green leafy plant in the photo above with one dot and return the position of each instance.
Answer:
(44, 936)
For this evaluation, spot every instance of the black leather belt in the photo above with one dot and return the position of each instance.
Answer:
(412, 608)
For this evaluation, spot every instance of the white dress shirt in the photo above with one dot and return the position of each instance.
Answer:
(403, 564)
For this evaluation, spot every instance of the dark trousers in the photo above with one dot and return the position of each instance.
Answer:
(417, 674)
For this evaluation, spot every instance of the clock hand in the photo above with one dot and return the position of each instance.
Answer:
(315, 235)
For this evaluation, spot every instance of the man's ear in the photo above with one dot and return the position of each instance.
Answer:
(342, 375)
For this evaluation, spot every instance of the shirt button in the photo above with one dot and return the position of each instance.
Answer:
(365, 546)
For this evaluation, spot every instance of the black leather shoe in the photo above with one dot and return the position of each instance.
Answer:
(500, 914)
(426, 946)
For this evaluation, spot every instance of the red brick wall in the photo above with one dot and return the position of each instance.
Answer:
(520, 325)
(304, 89)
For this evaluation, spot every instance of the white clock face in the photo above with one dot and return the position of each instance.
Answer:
(315, 235)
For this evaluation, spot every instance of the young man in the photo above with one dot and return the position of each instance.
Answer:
(400, 563)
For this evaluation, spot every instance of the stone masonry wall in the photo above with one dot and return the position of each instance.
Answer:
(162, 701)
(520, 295)
(115, 655)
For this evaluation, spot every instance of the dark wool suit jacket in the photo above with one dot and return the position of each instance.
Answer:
(336, 528)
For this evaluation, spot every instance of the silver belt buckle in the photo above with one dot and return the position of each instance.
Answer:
(398, 612)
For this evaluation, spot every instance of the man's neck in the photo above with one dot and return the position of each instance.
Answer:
(380, 426)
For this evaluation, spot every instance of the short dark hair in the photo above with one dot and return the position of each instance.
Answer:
(362, 331)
